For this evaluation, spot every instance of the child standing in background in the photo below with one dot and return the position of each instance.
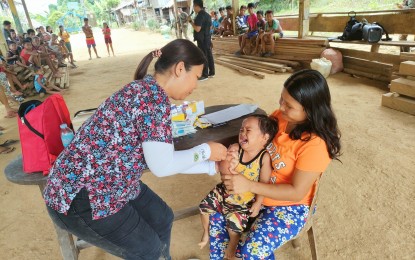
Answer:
(254, 163)
(41, 85)
(107, 37)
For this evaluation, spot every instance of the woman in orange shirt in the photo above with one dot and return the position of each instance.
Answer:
(307, 140)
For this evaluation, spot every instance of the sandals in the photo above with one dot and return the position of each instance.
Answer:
(6, 150)
(8, 142)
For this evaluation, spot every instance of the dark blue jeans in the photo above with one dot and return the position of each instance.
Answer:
(140, 230)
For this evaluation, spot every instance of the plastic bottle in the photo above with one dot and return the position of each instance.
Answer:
(66, 135)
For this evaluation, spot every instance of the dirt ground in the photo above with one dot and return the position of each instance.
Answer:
(366, 203)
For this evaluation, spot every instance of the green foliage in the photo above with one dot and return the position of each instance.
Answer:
(153, 25)
(53, 18)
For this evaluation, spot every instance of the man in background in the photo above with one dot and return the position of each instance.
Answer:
(182, 18)
(202, 36)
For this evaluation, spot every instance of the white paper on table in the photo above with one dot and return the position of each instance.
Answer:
(230, 113)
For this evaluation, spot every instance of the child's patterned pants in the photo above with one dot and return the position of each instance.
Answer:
(274, 227)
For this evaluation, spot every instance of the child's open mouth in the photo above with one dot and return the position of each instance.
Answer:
(243, 141)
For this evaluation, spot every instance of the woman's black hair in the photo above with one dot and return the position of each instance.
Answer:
(172, 53)
(310, 89)
(267, 125)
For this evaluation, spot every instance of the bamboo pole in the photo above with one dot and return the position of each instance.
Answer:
(304, 18)
(27, 14)
(15, 16)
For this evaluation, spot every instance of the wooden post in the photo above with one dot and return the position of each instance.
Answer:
(15, 16)
(304, 18)
(27, 14)
(4, 48)
(235, 7)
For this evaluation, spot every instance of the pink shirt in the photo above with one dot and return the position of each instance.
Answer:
(252, 21)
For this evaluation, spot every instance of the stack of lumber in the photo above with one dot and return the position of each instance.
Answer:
(255, 66)
(292, 49)
(62, 82)
(373, 65)
(402, 95)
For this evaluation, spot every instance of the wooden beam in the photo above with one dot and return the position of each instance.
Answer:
(394, 101)
(394, 23)
(373, 56)
(241, 70)
(304, 19)
(27, 14)
(407, 68)
(15, 16)
(403, 86)
(235, 8)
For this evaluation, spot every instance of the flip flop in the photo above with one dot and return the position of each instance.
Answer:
(9, 142)
(7, 150)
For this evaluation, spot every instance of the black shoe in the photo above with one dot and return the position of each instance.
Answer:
(211, 75)
(202, 78)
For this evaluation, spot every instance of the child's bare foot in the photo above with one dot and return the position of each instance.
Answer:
(230, 253)
(204, 240)
(10, 114)
(42, 95)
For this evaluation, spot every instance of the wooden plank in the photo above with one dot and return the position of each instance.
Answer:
(403, 104)
(367, 69)
(251, 66)
(383, 43)
(395, 23)
(304, 18)
(264, 63)
(242, 70)
(403, 86)
(373, 56)
(367, 75)
(408, 56)
(407, 68)
(271, 60)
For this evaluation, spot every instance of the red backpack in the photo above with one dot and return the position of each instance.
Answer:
(39, 130)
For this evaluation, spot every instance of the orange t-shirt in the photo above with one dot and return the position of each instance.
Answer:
(288, 155)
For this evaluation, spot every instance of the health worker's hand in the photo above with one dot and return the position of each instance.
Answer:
(217, 151)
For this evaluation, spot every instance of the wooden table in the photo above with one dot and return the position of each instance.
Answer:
(225, 134)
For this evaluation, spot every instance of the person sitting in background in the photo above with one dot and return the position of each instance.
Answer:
(49, 30)
(13, 56)
(215, 24)
(7, 25)
(45, 35)
(44, 57)
(261, 20)
(42, 86)
(226, 25)
(252, 21)
(406, 4)
(241, 19)
(31, 33)
(55, 47)
(272, 32)
(222, 15)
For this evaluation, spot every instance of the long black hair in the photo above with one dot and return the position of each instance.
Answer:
(172, 53)
(310, 89)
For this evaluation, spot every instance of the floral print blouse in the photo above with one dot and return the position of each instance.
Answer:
(106, 155)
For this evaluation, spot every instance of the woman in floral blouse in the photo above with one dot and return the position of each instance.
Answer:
(94, 189)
